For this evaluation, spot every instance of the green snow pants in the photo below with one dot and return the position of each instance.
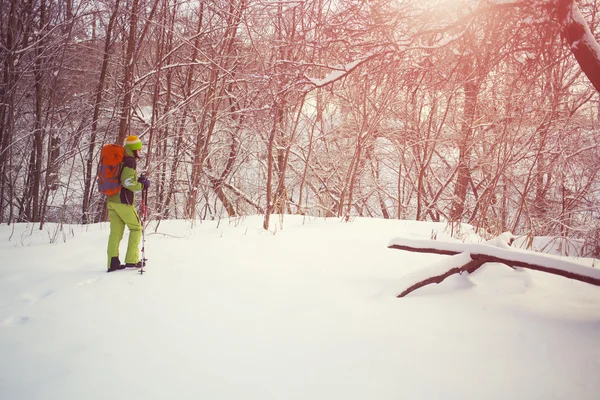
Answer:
(121, 215)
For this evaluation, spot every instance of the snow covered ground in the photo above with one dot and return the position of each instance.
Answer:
(230, 311)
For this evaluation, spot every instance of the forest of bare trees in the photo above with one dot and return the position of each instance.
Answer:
(473, 111)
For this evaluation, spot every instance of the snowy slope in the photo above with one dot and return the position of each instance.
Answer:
(229, 311)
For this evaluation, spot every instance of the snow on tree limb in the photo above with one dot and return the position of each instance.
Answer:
(582, 42)
(574, 29)
(338, 72)
(473, 255)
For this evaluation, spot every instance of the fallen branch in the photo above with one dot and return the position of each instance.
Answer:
(474, 255)
(438, 272)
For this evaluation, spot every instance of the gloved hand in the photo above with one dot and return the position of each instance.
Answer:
(144, 181)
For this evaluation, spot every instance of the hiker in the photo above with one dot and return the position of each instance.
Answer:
(121, 209)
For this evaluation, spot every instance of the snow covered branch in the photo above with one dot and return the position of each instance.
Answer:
(339, 72)
(468, 257)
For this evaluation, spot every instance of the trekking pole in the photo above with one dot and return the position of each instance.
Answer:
(144, 213)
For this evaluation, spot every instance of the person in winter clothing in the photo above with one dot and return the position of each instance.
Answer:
(121, 210)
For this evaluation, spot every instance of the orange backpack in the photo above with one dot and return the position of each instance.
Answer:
(109, 170)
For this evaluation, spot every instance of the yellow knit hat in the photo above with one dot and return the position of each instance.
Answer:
(133, 143)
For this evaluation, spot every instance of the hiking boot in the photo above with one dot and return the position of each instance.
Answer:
(115, 265)
(129, 265)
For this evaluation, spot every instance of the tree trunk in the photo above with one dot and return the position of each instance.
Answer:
(32, 197)
(581, 41)
(464, 157)
(190, 208)
(269, 184)
(128, 75)
(88, 184)
(167, 25)
(7, 96)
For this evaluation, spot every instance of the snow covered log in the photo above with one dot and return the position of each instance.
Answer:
(474, 255)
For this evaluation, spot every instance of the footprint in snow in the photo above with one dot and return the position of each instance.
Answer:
(12, 321)
(32, 298)
(87, 281)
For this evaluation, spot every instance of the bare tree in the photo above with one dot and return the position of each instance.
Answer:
(129, 66)
(88, 183)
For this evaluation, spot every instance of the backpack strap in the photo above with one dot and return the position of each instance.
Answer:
(126, 194)
(129, 162)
